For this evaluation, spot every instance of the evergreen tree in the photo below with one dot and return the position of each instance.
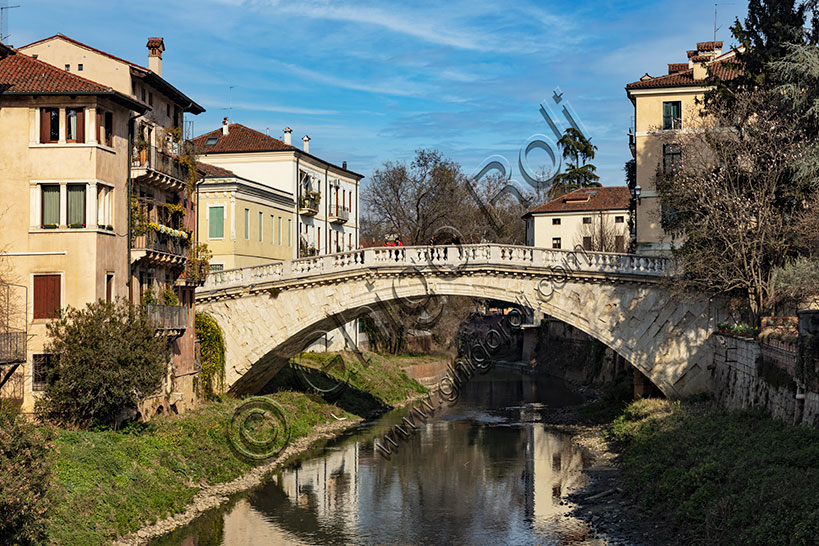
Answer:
(577, 175)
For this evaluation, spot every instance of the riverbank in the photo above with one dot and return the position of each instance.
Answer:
(670, 472)
(151, 478)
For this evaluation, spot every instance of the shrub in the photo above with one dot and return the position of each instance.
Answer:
(24, 478)
(212, 345)
(107, 358)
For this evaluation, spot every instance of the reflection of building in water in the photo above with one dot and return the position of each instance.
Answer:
(552, 469)
(327, 486)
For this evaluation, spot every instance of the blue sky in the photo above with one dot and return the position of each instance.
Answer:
(373, 81)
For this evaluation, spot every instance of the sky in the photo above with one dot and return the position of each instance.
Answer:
(371, 82)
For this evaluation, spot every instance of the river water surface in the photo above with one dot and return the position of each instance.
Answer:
(487, 470)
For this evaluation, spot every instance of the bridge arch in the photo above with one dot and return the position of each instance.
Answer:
(268, 313)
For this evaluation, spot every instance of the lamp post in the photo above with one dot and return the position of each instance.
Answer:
(635, 199)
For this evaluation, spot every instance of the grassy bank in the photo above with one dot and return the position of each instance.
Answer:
(721, 477)
(111, 483)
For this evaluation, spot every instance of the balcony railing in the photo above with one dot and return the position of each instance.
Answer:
(161, 242)
(161, 161)
(309, 206)
(12, 347)
(339, 214)
(168, 317)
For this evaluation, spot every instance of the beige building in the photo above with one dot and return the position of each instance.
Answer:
(247, 223)
(162, 196)
(64, 156)
(663, 106)
(325, 213)
(595, 219)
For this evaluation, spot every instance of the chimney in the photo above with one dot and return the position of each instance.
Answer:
(306, 140)
(155, 48)
(344, 165)
(225, 129)
(287, 133)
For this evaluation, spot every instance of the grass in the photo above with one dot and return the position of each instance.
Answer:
(108, 483)
(721, 477)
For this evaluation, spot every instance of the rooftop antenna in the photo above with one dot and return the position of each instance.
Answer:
(4, 23)
(716, 28)
(230, 103)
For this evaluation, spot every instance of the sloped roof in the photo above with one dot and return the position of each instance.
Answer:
(587, 199)
(212, 171)
(154, 79)
(21, 74)
(239, 139)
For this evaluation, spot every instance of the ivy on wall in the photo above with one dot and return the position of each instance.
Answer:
(212, 346)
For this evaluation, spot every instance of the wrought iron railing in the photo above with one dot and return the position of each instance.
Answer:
(159, 160)
(161, 242)
(168, 317)
(339, 212)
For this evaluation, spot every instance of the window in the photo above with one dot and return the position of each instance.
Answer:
(289, 231)
(40, 364)
(587, 219)
(79, 68)
(109, 287)
(247, 223)
(49, 125)
(150, 99)
(318, 240)
(216, 222)
(556, 243)
(217, 267)
(351, 241)
(261, 223)
(50, 215)
(46, 296)
(68, 68)
(619, 243)
(143, 94)
(279, 230)
(105, 127)
(672, 115)
(76, 205)
(168, 110)
(75, 125)
(587, 243)
(105, 207)
(672, 158)
(619, 219)
(211, 141)
(555, 221)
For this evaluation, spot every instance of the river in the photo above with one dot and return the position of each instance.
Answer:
(487, 470)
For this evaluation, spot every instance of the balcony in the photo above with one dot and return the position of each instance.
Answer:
(159, 167)
(339, 214)
(309, 203)
(12, 347)
(168, 317)
(160, 248)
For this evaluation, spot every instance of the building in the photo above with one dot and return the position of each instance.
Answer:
(229, 205)
(596, 219)
(161, 198)
(64, 149)
(324, 214)
(665, 105)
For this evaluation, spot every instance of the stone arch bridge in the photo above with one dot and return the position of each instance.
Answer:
(270, 312)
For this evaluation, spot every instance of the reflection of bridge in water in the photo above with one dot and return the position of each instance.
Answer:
(270, 312)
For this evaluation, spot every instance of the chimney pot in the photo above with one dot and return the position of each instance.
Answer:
(306, 140)
(287, 134)
(155, 48)
(225, 126)
(343, 164)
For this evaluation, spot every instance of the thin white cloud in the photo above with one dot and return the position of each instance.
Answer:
(399, 87)
(265, 107)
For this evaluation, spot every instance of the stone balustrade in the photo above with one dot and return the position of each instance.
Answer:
(485, 256)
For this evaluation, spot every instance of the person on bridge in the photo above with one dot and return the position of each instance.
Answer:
(398, 242)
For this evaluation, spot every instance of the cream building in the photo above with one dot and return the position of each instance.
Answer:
(663, 106)
(247, 223)
(595, 219)
(64, 156)
(325, 214)
(163, 209)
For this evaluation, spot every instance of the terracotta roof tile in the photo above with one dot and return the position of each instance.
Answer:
(673, 68)
(212, 171)
(708, 46)
(239, 139)
(721, 69)
(588, 199)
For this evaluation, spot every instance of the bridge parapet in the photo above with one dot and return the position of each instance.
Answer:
(460, 256)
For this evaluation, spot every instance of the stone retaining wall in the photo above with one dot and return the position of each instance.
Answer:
(738, 383)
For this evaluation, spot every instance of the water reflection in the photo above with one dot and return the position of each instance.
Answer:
(486, 471)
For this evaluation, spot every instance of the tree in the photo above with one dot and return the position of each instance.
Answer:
(734, 196)
(107, 359)
(24, 479)
(212, 346)
(576, 146)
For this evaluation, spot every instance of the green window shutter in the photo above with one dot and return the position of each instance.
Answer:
(76, 204)
(216, 222)
(667, 115)
(261, 224)
(247, 223)
(676, 113)
(51, 205)
(279, 230)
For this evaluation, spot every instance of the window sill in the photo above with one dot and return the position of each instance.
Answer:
(65, 229)
(72, 145)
